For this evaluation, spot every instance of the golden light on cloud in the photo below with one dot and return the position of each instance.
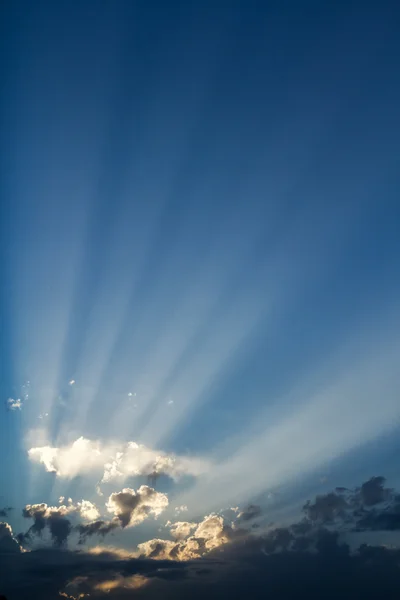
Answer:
(127, 583)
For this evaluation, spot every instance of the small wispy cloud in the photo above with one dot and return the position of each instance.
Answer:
(14, 404)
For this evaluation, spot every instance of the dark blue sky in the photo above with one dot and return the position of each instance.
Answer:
(199, 229)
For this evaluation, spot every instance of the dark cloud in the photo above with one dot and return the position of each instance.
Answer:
(47, 572)
(369, 507)
(100, 528)
(240, 571)
(326, 508)
(54, 519)
(132, 507)
(4, 512)
(307, 558)
(373, 492)
(387, 519)
(250, 512)
(279, 539)
(8, 544)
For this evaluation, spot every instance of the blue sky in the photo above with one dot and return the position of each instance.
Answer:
(199, 248)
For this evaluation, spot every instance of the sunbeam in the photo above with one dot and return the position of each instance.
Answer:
(199, 302)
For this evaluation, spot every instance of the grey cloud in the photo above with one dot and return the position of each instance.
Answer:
(4, 512)
(45, 573)
(53, 518)
(370, 507)
(100, 528)
(60, 528)
(250, 512)
(8, 544)
(326, 508)
(276, 564)
(132, 507)
(373, 492)
(387, 519)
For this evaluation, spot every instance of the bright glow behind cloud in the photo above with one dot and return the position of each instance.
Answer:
(114, 461)
(133, 507)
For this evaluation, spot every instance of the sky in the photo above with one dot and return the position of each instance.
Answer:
(199, 298)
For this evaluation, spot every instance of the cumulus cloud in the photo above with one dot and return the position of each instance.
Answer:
(169, 550)
(326, 508)
(212, 532)
(88, 510)
(51, 517)
(367, 508)
(82, 456)
(373, 492)
(133, 507)
(115, 461)
(181, 529)
(56, 519)
(8, 543)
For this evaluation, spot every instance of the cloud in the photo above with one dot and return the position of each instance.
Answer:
(47, 573)
(371, 507)
(252, 511)
(4, 512)
(14, 404)
(373, 492)
(217, 560)
(54, 518)
(212, 532)
(115, 461)
(132, 508)
(366, 508)
(181, 529)
(132, 582)
(82, 456)
(100, 528)
(88, 510)
(326, 508)
(241, 571)
(8, 543)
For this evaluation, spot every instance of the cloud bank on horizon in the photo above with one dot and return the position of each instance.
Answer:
(215, 554)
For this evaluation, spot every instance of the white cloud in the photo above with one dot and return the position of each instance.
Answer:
(86, 509)
(14, 404)
(137, 459)
(116, 461)
(211, 533)
(133, 507)
(181, 529)
(82, 456)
